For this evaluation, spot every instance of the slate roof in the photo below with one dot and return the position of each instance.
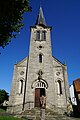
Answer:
(40, 18)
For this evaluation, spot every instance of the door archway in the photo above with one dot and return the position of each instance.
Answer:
(38, 93)
(39, 87)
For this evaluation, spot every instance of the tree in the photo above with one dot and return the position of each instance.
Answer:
(11, 12)
(3, 96)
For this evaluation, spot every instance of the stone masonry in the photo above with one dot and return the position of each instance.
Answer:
(39, 74)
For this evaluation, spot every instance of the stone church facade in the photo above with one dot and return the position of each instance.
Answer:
(39, 74)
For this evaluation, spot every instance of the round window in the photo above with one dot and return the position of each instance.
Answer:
(57, 73)
(22, 72)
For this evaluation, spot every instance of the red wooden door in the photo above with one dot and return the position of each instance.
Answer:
(37, 97)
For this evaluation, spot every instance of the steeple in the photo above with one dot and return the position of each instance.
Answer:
(40, 18)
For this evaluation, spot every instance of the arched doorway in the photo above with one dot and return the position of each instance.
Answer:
(39, 87)
(38, 93)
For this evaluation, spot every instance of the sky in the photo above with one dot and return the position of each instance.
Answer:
(64, 17)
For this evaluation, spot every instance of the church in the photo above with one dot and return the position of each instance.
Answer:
(39, 74)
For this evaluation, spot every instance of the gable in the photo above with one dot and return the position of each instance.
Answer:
(57, 63)
(23, 62)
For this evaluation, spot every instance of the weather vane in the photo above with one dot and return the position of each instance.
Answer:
(40, 3)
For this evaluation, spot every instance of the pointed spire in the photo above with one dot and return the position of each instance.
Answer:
(40, 19)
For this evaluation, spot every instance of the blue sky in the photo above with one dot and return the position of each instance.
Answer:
(64, 17)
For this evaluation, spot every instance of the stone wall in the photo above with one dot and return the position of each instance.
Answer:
(54, 76)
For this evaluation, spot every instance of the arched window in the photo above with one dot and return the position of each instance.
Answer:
(59, 87)
(21, 86)
(38, 35)
(43, 35)
(40, 58)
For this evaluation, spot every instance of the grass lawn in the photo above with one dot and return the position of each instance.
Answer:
(3, 116)
(2, 110)
(9, 118)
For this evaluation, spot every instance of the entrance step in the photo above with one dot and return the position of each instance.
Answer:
(35, 114)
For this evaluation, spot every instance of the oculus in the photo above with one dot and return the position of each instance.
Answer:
(57, 73)
(22, 72)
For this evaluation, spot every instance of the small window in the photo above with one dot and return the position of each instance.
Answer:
(21, 86)
(43, 35)
(38, 35)
(40, 58)
(59, 87)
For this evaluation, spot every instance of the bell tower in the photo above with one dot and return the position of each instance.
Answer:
(40, 60)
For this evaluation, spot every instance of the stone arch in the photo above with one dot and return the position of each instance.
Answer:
(43, 35)
(20, 85)
(59, 86)
(39, 84)
(21, 78)
(38, 35)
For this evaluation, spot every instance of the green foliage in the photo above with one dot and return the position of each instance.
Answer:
(2, 110)
(11, 12)
(9, 118)
(3, 96)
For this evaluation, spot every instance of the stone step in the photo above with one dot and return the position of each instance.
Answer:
(31, 113)
(38, 111)
(50, 118)
(35, 114)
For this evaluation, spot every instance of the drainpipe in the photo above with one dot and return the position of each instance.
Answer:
(25, 83)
